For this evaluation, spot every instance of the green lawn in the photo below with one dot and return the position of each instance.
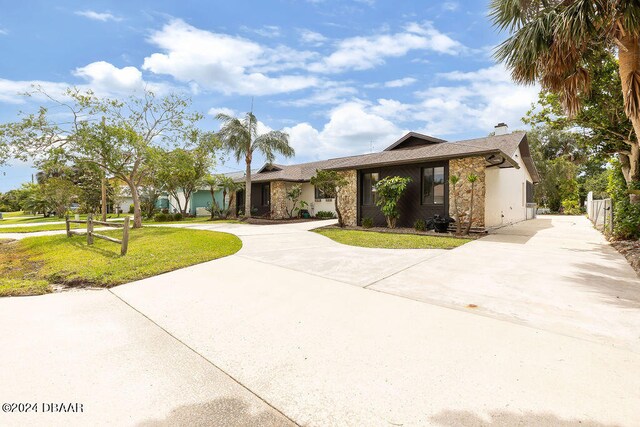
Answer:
(33, 219)
(13, 214)
(31, 265)
(35, 228)
(371, 239)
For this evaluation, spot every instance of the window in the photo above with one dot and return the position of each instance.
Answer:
(321, 194)
(433, 186)
(369, 180)
(266, 194)
(530, 192)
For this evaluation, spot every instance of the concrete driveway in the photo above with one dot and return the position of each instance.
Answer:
(290, 335)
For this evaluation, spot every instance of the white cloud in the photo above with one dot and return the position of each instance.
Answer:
(328, 93)
(224, 63)
(400, 82)
(450, 6)
(351, 129)
(101, 77)
(98, 16)
(105, 77)
(268, 31)
(480, 99)
(362, 53)
(214, 111)
(312, 38)
(11, 90)
(3, 31)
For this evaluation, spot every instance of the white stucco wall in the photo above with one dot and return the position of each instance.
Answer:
(173, 204)
(124, 204)
(308, 195)
(505, 197)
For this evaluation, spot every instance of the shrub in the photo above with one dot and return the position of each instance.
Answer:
(178, 216)
(389, 191)
(367, 222)
(626, 215)
(420, 225)
(161, 217)
(131, 209)
(571, 207)
(325, 215)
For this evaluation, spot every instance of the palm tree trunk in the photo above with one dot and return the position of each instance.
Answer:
(247, 190)
(470, 211)
(629, 60)
(335, 202)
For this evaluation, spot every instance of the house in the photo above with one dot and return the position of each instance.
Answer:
(503, 192)
(201, 199)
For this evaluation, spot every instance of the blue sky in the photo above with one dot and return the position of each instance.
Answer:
(339, 76)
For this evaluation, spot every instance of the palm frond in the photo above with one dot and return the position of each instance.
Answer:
(272, 143)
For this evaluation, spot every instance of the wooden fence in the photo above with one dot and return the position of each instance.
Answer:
(90, 222)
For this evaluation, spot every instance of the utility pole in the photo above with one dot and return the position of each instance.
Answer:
(104, 196)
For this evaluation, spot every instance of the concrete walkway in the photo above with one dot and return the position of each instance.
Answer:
(317, 343)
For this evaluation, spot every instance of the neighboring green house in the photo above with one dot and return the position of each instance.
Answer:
(201, 199)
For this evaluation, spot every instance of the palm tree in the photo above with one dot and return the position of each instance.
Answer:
(472, 178)
(552, 41)
(241, 137)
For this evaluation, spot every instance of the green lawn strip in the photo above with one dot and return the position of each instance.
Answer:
(13, 214)
(36, 228)
(38, 219)
(371, 239)
(204, 220)
(70, 261)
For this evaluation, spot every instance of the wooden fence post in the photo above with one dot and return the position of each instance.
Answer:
(90, 229)
(125, 236)
(66, 219)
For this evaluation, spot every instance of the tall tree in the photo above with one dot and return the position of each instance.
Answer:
(241, 138)
(553, 41)
(114, 135)
(182, 170)
(330, 182)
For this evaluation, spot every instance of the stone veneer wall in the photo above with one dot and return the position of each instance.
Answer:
(463, 168)
(348, 198)
(278, 200)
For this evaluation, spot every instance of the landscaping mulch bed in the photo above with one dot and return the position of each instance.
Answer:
(631, 251)
(407, 230)
(266, 221)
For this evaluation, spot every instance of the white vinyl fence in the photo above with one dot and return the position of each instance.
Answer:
(600, 212)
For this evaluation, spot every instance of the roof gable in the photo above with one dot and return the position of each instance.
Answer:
(413, 139)
(270, 167)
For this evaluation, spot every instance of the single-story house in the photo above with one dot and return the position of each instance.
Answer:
(201, 199)
(503, 192)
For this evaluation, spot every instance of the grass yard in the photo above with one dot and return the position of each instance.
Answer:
(372, 239)
(30, 266)
(38, 219)
(13, 214)
(35, 228)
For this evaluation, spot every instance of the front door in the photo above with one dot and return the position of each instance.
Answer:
(239, 202)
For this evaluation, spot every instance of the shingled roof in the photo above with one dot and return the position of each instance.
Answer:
(499, 150)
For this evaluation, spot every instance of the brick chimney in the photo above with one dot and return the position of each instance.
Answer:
(501, 129)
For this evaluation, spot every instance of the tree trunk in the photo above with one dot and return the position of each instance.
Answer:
(104, 197)
(137, 213)
(247, 189)
(470, 211)
(335, 202)
(186, 203)
(629, 60)
(213, 201)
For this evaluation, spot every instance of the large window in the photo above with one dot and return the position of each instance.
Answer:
(266, 194)
(530, 192)
(369, 180)
(433, 186)
(321, 194)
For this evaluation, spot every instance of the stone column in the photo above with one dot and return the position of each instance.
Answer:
(348, 198)
(278, 200)
(463, 168)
